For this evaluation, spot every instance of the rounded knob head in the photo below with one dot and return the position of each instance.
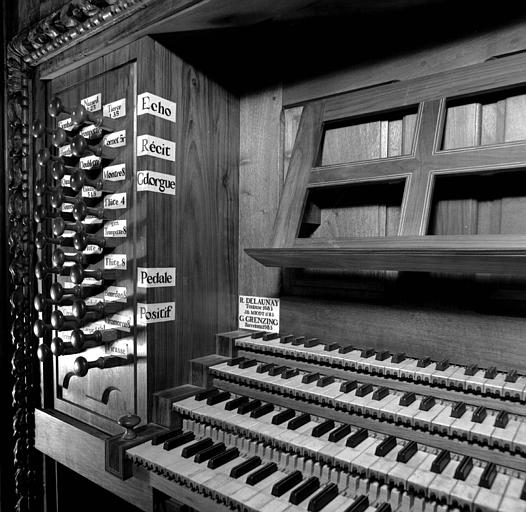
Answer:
(40, 213)
(78, 179)
(40, 240)
(40, 188)
(79, 114)
(55, 107)
(57, 346)
(79, 145)
(40, 270)
(40, 302)
(79, 308)
(43, 157)
(78, 338)
(57, 319)
(80, 367)
(58, 258)
(80, 241)
(37, 128)
(80, 210)
(39, 328)
(58, 226)
(56, 292)
(76, 274)
(59, 137)
(43, 352)
(56, 199)
(129, 422)
(58, 170)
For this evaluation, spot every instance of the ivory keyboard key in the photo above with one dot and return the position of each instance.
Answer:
(508, 504)
(519, 441)
(482, 432)
(402, 471)
(424, 418)
(442, 374)
(514, 386)
(495, 386)
(424, 373)
(348, 455)
(323, 498)
(443, 420)
(408, 370)
(407, 413)
(476, 382)
(375, 406)
(457, 379)
(304, 490)
(368, 456)
(438, 485)
(465, 491)
(461, 427)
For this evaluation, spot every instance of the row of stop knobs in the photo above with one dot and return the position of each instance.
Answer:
(63, 165)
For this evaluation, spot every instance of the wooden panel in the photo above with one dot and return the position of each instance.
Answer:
(292, 118)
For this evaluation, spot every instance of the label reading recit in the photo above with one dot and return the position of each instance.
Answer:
(120, 321)
(116, 294)
(157, 277)
(67, 124)
(115, 262)
(258, 313)
(115, 201)
(151, 181)
(115, 109)
(87, 162)
(148, 103)
(91, 132)
(115, 139)
(149, 145)
(154, 313)
(114, 172)
(92, 103)
(115, 229)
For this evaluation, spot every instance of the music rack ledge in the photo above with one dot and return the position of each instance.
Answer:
(495, 254)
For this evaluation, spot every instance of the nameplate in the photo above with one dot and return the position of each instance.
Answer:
(115, 139)
(149, 145)
(115, 109)
(67, 124)
(92, 103)
(120, 321)
(115, 201)
(258, 313)
(66, 207)
(148, 103)
(151, 181)
(92, 249)
(115, 262)
(91, 219)
(65, 151)
(155, 313)
(66, 181)
(91, 132)
(91, 281)
(91, 192)
(114, 172)
(120, 348)
(116, 294)
(90, 161)
(66, 310)
(115, 229)
(157, 277)
(93, 327)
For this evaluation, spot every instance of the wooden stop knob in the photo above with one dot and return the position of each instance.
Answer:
(129, 422)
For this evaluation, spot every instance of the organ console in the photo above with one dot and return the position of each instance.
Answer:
(297, 291)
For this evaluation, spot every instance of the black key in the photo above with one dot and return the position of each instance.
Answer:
(358, 437)
(270, 336)
(250, 406)
(479, 414)
(264, 367)
(262, 473)
(299, 340)
(245, 467)
(348, 385)
(424, 362)
(289, 373)
(382, 355)
(523, 493)
(488, 475)
(322, 428)
(346, 349)
(203, 395)
(325, 380)
(464, 468)
(277, 370)
(210, 452)
(286, 339)
(286, 484)
(443, 365)
(223, 458)
(179, 440)
(407, 399)
(247, 363)
(262, 410)
(323, 498)
(398, 358)
(303, 491)
(312, 342)
(283, 416)
(441, 461)
(360, 504)
(298, 421)
(458, 410)
(259, 334)
(217, 399)
(491, 373)
(161, 437)
(235, 361)
(512, 376)
(236, 402)
(471, 369)
(427, 403)
(380, 393)
(384, 507)
(385, 446)
(330, 347)
(310, 377)
(407, 452)
(366, 353)
(502, 419)
(364, 390)
(339, 433)
(198, 446)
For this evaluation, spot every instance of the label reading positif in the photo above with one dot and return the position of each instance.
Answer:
(154, 313)
(151, 181)
(149, 145)
(92, 103)
(258, 313)
(155, 277)
(148, 103)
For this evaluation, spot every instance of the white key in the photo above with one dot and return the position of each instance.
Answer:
(464, 492)
(489, 499)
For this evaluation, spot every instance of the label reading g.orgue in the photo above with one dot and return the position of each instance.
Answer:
(151, 181)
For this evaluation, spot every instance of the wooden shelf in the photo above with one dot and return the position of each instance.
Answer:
(495, 254)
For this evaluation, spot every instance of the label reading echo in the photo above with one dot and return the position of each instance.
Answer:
(148, 103)
(115, 139)
(114, 172)
(116, 294)
(115, 109)
(92, 103)
(115, 201)
(67, 124)
(152, 181)
(115, 262)
(157, 277)
(120, 321)
(149, 145)
(115, 229)
(87, 162)
(258, 313)
(154, 313)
